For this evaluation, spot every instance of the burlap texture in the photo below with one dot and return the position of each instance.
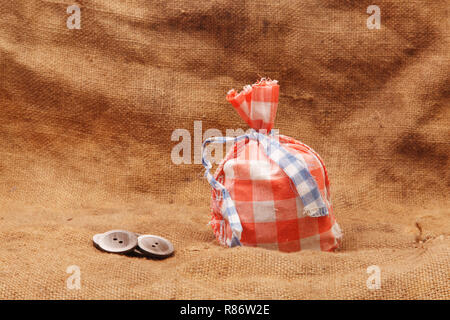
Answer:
(86, 118)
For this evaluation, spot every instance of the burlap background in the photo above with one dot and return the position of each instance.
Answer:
(86, 118)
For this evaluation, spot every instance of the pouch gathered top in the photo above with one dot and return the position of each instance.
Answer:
(270, 190)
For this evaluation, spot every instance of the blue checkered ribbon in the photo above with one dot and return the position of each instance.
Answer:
(295, 168)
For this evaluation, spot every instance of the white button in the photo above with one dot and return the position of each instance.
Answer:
(155, 246)
(116, 241)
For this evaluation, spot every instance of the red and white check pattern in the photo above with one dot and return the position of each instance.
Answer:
(257, 104)
(270, 210)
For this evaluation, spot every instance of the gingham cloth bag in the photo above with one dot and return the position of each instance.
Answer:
(270, 190)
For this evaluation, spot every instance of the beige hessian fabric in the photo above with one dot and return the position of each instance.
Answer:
(86, 118)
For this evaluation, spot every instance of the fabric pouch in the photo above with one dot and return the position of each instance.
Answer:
(270, 190)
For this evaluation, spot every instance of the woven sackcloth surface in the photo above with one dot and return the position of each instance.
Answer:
(87, 116)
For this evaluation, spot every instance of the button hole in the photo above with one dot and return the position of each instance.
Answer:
(120, 241)
(114, 239)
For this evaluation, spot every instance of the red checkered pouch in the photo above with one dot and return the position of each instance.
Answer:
(270, 190)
